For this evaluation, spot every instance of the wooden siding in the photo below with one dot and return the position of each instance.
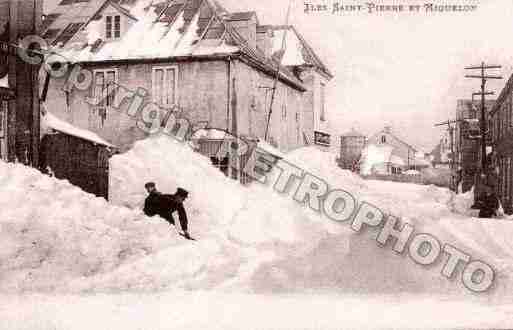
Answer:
(202, 95)
(253, 100)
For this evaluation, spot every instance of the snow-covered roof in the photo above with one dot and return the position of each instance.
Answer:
(297, 51)
(267, 147)
(166, 29)
(51, 122)
(209, 133)
(4, 82)
(353, 133)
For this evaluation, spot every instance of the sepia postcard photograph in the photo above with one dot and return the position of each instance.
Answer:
(256, 165)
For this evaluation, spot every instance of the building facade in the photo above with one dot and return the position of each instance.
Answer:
(467, 142)
(351, 146)
(400, 149)
(501, 132)
(190, 57)
(19, 92)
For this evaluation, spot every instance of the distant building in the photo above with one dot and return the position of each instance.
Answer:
(351, 146)
(441, 156)
(411, 158)
(501, 131)
(467, 144)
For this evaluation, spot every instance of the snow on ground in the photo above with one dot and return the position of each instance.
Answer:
(52, 232)
(214, 310)
(56, 238)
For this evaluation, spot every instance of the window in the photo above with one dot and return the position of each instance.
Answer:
(104, 93)
(113, 27)
(48, 20)
(323, 102)
(284, 111)
(164, 83)
(68, 33)
(383, 139)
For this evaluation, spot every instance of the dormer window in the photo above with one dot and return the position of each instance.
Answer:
(113, 27)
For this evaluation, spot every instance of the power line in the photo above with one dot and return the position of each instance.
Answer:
(278, 66)
(484, 77)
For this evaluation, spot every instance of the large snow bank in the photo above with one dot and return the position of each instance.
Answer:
(261, 240)
(53, 233)
(250, 238)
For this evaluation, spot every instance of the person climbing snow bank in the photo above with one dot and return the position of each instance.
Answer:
(164, 205)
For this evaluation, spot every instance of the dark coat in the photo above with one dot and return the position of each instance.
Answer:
(165, 205)
(488, 206)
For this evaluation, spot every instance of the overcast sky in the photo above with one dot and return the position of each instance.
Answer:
(405, 70)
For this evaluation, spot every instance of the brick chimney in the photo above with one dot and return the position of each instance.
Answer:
(246, 25)
(265, 36)
(388, 129)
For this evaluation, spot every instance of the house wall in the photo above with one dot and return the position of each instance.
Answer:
(201, 94)
(401, 149)
(253, 101)
(502, 137)
(312, 103)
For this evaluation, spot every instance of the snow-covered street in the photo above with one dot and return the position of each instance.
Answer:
(70, 260)
(210, 310)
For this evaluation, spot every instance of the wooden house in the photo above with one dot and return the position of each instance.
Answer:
(406, 156)
(214, 66)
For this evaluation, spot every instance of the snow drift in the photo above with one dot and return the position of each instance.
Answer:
(250, 238)
(53, 232)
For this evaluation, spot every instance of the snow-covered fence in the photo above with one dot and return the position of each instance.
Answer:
(81, 162)
(440, 181)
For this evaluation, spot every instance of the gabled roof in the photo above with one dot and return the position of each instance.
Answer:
(298, 51)
(388, 132)
(173, 29)
(66, 13)
(353, 133)
(241, 16)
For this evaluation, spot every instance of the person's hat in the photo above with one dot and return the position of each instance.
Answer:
(182, 192)
(149, 185)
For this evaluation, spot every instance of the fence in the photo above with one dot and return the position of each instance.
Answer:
(211, 147)
(79, 161)
(441, 181)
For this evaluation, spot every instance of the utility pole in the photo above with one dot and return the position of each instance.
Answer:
(277, 72)
(484, 77)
